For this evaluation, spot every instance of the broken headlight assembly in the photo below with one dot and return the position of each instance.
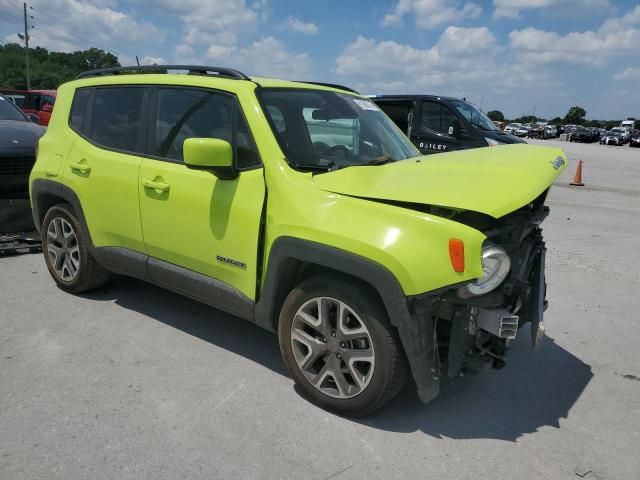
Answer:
(496, 265)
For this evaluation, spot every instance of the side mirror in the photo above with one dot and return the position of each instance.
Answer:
(211, 154)
(455, 129)
(47, 107)
(33, 117)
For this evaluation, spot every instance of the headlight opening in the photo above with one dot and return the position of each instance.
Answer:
(496, 266)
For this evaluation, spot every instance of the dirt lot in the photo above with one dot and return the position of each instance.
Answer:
(134, 382)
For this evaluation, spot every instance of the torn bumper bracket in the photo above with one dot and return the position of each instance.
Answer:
(418, 338)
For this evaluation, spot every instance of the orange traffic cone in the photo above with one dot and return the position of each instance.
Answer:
(577, 178)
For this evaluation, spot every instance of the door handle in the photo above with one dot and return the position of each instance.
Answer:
(163, 187)
(81, 167)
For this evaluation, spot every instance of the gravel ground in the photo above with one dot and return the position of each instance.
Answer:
(133, 382)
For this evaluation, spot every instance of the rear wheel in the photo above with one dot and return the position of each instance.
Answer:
(338, 344)
(66, 252)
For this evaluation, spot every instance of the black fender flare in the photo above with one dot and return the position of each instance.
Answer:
(46, 193)
(415, 325)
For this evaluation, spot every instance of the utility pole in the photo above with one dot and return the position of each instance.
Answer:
(26, 46)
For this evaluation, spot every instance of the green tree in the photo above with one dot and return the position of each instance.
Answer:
(48, 69)
(555, 121)
(496, 116)
(575, 116)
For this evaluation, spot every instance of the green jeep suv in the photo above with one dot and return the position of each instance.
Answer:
(303, 208)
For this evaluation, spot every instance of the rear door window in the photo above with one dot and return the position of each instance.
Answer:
(79, 109)
(116, 120)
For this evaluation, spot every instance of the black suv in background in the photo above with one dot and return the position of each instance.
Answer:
(439, 124)
(581, 134)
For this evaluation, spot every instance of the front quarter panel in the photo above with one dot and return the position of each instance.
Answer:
(412, 245)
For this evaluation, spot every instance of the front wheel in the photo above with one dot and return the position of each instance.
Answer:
(337, 343)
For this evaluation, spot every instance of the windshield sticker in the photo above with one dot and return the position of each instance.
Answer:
(365, 104)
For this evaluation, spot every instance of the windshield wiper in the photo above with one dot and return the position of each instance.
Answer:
(316, 166)
(380, 160)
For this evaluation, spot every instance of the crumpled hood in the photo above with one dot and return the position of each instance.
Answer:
(493, 180)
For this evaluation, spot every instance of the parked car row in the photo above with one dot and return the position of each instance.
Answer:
(618, 136)
(38, 103)
(576, 133)
(532, 130)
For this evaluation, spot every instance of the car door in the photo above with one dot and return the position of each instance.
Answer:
(433, 132)
(103, 163)
(190, 218)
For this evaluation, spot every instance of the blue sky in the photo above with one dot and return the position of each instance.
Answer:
(511, 55)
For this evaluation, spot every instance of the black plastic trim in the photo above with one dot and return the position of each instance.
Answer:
(200, 287)
(123, 261)
(41, 188)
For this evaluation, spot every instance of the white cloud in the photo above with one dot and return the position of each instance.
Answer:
(298, 26)
(62, 25)
(631, 74)
(212, 21)
(512, 8)
(266, 57)
(464, 62)
(456, 41)
(430, 14)
(631, 19)
(366, 56)
(150, 60)
(617, 36)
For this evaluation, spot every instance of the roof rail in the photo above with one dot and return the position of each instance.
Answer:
(332, 85)
(191, 69)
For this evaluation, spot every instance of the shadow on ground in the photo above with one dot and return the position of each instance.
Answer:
(537, 388)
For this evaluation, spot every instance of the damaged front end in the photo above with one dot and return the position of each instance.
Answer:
(467, 328)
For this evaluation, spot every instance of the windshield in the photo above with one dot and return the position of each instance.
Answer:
(474, 115)
(9, 112)
(324, 130)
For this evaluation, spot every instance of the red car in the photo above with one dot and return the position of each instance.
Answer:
(40, 103)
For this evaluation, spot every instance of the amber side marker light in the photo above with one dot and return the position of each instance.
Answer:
(456, 254)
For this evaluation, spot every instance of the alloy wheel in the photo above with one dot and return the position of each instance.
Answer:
(63, 249)
(332, 347)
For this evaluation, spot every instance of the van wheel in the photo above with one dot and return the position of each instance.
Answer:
(337, 343)
(66, 252)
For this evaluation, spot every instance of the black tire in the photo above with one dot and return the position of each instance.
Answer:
(391, 367)
(89, 274)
